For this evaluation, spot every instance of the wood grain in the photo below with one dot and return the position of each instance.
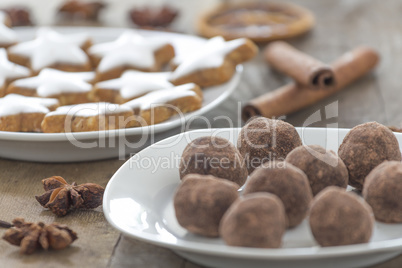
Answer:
(341, 25)
(21, 181)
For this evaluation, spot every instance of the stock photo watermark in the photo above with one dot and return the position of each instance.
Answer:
(113, 133)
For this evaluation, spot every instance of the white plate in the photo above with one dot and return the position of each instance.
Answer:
(83, 146)
(138, 201)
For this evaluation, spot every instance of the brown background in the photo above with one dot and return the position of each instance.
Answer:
(341, 25)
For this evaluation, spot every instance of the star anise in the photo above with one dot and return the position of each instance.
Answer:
(4, 224)
(61, 197)
(32, 236)
(148, 17)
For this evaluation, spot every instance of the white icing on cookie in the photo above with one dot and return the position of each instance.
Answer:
(3, 17)
(102, 49)
(51, 82)
(49, 48)
(212, 55)
(7, 35)
(213, 42)
(77, 39)
(162, 96)
(129, 49)
(13, 104)
(10, 70)
(134, 83)
(90, 109)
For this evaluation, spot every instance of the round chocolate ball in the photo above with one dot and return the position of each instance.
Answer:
(365, 147)
(201, 201)
(256, 220)
(383, 191)
(322, 167)
(340, 218)
(263, 140)
(213, 156)
(287, 182)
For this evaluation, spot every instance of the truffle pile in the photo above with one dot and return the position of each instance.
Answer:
(279, 191)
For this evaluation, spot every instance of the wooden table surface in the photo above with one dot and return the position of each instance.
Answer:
(341, 25)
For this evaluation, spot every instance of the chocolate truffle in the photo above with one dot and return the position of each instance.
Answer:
(383, 191)
(256, 220)
(365, 147)
(287, 182)
(263, 140)
(322, 167)
(214, 156)
(340, 218)
(201, 201)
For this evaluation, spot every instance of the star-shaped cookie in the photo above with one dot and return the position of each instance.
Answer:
(20, 113)
(9, 71)
(158, 106)
(51, 49)
(131, 85)
(7, 36)
(212, 43)
(130, 51)
(88, 117)
(67, 87)
(213, 64)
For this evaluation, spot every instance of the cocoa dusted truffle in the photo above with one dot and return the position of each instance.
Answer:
(383, 191)
(263, 140)
(256, 220)
(287, 182)
(340, 218)
(365, 147)
(322, 167)
(201, 201)
(213, 156)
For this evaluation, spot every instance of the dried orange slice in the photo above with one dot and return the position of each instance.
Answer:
(258, 21)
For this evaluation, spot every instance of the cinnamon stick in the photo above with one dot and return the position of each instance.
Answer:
(304, 69)
(292, 97)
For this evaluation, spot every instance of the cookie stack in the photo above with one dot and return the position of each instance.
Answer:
(117, 84)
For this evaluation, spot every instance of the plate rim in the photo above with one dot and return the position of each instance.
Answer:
(315, 252)
(156, 128)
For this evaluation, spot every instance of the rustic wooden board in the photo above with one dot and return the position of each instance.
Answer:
(21, 181)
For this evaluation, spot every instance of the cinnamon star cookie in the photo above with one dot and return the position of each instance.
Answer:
(51, 49)
(9, 71)
(7, 36)
(159, 106)
(130, 51)
(131, 85)
(67, 87)
(215, 63)
(88, 117)
(20, 113)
